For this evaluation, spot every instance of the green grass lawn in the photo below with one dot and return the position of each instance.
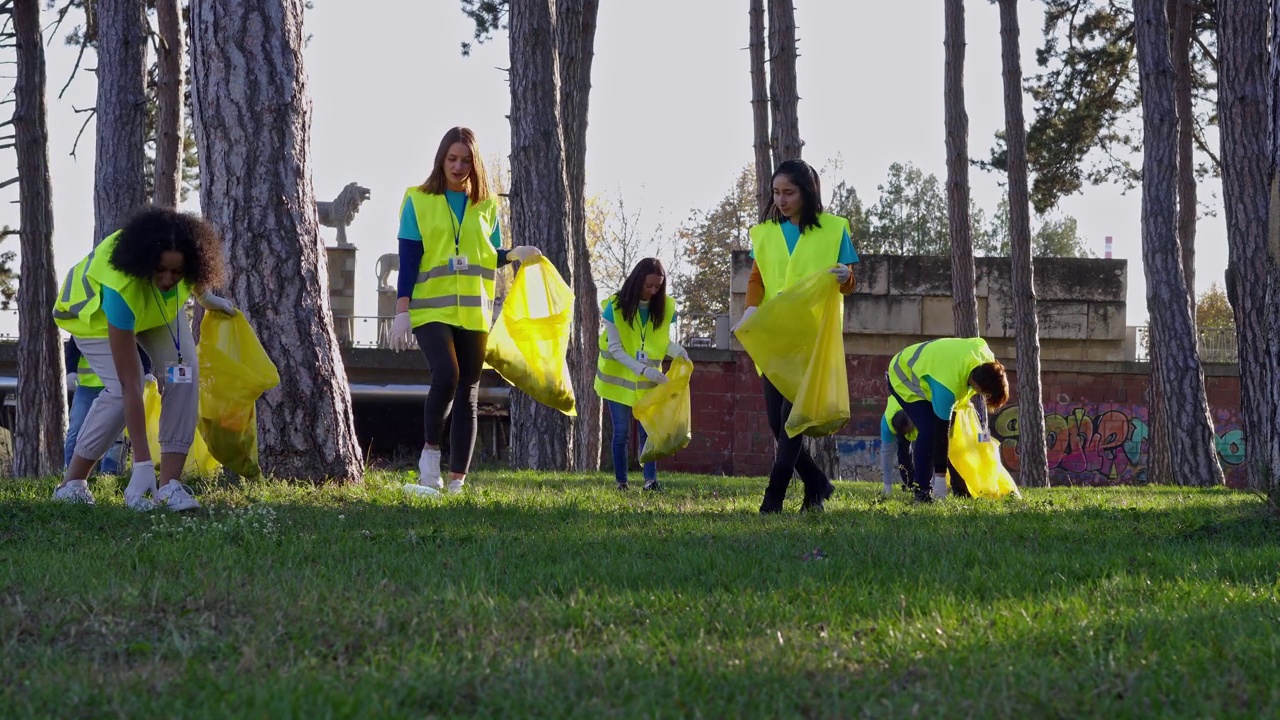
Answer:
(531, 595)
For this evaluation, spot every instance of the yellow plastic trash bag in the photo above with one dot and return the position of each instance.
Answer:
(234, 372)
(199, 461)
(977, 460)
(797, 341)
(527, 344)
(665, 415)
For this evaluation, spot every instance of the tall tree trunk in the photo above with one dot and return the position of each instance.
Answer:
(168, 164)
(1182, 14)
(40, 421)
(760, 109)
(253, 125)
(541, 438)
(957, 130)
(577, 30)
(782, 81)
(1249, 186)
(1033, 463)
(1186, 448)
(120, 183)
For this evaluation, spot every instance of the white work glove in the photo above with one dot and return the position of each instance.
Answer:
(745, 314)
(523, 253)
(73, 381)
(209, 301)
(149, 378)
(655, 376)
(676, 350)
(401, 333)
(842, 273)
(143, 478)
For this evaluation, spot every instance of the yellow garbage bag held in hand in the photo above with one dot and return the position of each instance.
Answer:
(528, 343)
(234, 372)
(976, 459)
(797, 341)
(199, 461)
(664, 413)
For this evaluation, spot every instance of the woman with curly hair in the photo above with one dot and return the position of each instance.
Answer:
(130, 291)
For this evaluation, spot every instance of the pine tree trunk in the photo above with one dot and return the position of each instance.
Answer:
(168, 163)
(1033, 463)
(1187, 443)
(1248, 172)
(1269, 446)
(760, 109)
(541, 438)
(957, 129)
(253, 125)
(1181, 18)
(40, 421)
(782, 81)
(577, 29)
(120, 183)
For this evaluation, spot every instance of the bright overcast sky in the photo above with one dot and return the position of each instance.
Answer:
(670, 120)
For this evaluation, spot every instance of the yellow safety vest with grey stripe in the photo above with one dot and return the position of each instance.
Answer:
(443, 293)
(78, 309)
(85, 375)
(949, 361)
(615, 381)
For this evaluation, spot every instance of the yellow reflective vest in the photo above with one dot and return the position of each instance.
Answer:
(445, 292)
(817, 249)
(947, 360)
(615, 381)
(85, 375)
(78, 309)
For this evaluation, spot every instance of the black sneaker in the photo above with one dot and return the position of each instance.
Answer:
(814, 503)
(654, 486)
(623, 486)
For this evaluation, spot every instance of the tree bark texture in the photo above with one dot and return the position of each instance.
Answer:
(760, 109)
(1248, 180)
(541, 438)
(1185, 452)
(252, 125)
(40, 422)
(576, 27)
(957, 131)
(120, 183)
(1182, 15)
(168, 163)
(1269, 447)
(1033, 462)
(782, 81)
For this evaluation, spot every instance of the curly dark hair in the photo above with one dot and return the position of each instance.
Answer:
(156, 230)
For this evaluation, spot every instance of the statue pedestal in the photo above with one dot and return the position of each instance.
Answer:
(342, 291)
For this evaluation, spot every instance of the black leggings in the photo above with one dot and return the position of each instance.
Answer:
(790, 455)
(456, 357)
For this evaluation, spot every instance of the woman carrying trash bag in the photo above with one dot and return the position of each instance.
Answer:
(635, 338)
(795, 240)
(129, 292)
(931, 378)
(449, 254)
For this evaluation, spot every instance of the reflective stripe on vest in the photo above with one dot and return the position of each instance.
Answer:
(81, 269)
(614, 380)
(462, 298)
(642, 384)
(85, 375)
(912, 383)
(78, 309)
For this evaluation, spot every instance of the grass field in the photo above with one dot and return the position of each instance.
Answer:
(535, 596)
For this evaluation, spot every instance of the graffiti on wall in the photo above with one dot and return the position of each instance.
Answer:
(1088, 444)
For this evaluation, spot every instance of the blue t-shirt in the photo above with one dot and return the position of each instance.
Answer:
(121, 317)
(943, 398)
(791, 234)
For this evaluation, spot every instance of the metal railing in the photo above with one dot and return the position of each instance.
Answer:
(362, 331)
(1215, 345)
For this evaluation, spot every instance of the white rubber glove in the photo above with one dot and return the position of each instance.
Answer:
(745, 314)
(676, 350)
(149, 378)
(209, 301)
(842, 273)
(523, 253)
(142, 479)
(655, 376)
(401, 337)
(73, 381)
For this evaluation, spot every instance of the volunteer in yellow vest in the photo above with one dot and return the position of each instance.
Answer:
(634, 339)
(929, 379)
(129, 292)
(795, 240)
(449, 254)
(896, 435)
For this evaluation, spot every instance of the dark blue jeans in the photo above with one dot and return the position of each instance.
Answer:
(621, 416)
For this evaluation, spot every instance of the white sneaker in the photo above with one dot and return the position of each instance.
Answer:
(421, 490)
(939, 488)
(74, 491)
(429, 469)
(455, 486)
(176, 497)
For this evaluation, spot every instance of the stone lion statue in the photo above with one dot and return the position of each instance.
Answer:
(342, 210)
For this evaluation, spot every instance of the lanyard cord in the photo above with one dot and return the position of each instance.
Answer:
(172, 330)
(457, 225)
